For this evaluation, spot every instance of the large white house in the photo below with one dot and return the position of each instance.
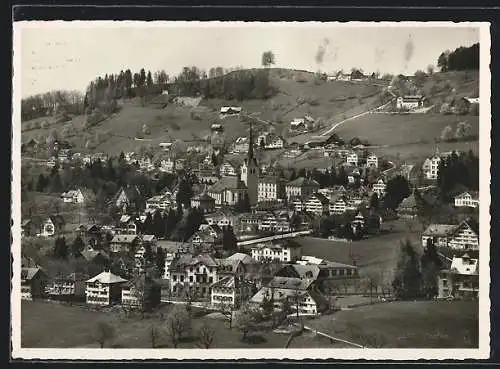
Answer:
(464, 236)
(301, 187)
(372, 161)
(468, 199)
(104, 289)
(270, 188)
(283, 250)
(352, 158)
(431, 167)
(317, 203)
(379, 188)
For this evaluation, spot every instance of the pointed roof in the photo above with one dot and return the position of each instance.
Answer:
(106, 278)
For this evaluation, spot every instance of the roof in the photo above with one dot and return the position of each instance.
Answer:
(289, 283)
(465, 265)
(473, 194)
(170, 246)
(27, 274)
(148, 237)
(106, 278)
(408, 202)
(303, 182)
(124, 238)
(203, 197)
(308, 271)
(226, 109)
(91, 254)
(322, 198)
(58, 220)
(226, 183)
(190, 260)
(140, 280)
(438, 230)
(132, 193)
(244, 258)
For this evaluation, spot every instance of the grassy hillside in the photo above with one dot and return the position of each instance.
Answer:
(298, 94)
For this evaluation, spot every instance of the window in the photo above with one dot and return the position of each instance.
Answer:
(175, 278)
(182, 278)
(341, 272)
(190, 278)
(445, 283)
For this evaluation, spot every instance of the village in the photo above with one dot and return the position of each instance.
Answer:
(264, 224)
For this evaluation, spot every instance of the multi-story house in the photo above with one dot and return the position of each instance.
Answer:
(204, 202)
(338, 205)
(301, 187)
(317, 203)
(71, 287)
(163, 202)
(430, 168)
(123, 243)
(283, 250)
(133, 292)
(52, 226)
(461, 280)
(352, 159)
(372, 161)
(379, 188)
(464, 236)
(230, 291)
(222, 218)
(270, 188)
(275, 222)
(104, 289)
(127, 225)
(229, 168)
(240, 145)
(78, 196)
(193, 275)
(468, 199)
(128, 196)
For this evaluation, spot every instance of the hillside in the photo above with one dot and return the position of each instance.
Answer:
(298, 94)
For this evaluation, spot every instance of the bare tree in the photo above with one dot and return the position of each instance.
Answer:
(228, 311)
(153, 334)
(176, 323)
(104, 332)
(245, 321)
(206, 335)
(267, 59)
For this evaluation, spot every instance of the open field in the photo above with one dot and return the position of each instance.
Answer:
(377, 256)
(52, 325)
(407, 324)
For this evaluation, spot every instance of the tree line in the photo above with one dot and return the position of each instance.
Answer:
(51, 103)
(462, 58)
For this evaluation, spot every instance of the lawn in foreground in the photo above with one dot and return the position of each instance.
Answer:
(52, 325)
(406, 324)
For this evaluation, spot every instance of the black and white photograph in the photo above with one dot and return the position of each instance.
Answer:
(257, 190)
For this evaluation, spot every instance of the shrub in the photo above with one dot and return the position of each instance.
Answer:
(195, 115)
(445, 109)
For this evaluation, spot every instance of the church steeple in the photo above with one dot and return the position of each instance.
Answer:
(250, 145)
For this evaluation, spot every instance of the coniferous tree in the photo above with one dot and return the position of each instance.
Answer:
(77, 246)
(158, 225)
(407, 279)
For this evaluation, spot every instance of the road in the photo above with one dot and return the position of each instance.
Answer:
(351, 118)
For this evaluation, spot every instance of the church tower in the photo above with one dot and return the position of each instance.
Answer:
(250, 172)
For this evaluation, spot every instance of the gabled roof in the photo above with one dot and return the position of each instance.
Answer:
(408, 202)
(473, 194)
(322, 198)
(439, 230)
(124, 238)
(57, 220)
(227, 183)
(290, 283)
(244, 258)
(27, 274)
(106, 278)
(303, 182)
(92, 254)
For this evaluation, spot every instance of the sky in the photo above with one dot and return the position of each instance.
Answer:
(69, 55)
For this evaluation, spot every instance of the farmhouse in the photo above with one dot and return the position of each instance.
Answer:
(241, 145)
(229, 168)
(461, 280)
(467, 199)
(33, 282)
(163, 202)
(284, 250)
(464, 236)
(338, 205)
(301, 187)
(410, 102)
(104, 289)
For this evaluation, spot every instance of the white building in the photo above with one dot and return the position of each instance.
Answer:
(464, 236)
(228, 169)
(163, 202)
(372, 161)
(352, 159)
(317, 203)
(240, 145)
(410, 102)
(338, 205)
(301, 187)
(284, 251)
(468, 199)
(227, 191)
(431, 167)
(104, 289)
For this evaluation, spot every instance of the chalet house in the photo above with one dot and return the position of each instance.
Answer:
(64, 155)
(165, 146)
(51, 163)
(464, 236)
(430, 167)
(302, 187)
(352, 159)
(78, 196)
(410, 102)
(70, 287)
(206, 175)
(278, 222)
(283, 250)
(92, 234)
(104, 289)
(366, 221)
(379, 188)
(222, 218)
(193, 275)
(297, 203)
(270, 188)
(128, 196)
(52, 226)
(227, 191)
(275, 142)
(167, 164)
(468, 199)
(297, 124)
(408, 207)
(230, 291)
(298, 292)
(33, 283)
(317, 203)
(132, 292)
(171, 250)
(123, 243)
(461, 280)
(372, 161)
(204, 202)
(338, 205)
(163, 202)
